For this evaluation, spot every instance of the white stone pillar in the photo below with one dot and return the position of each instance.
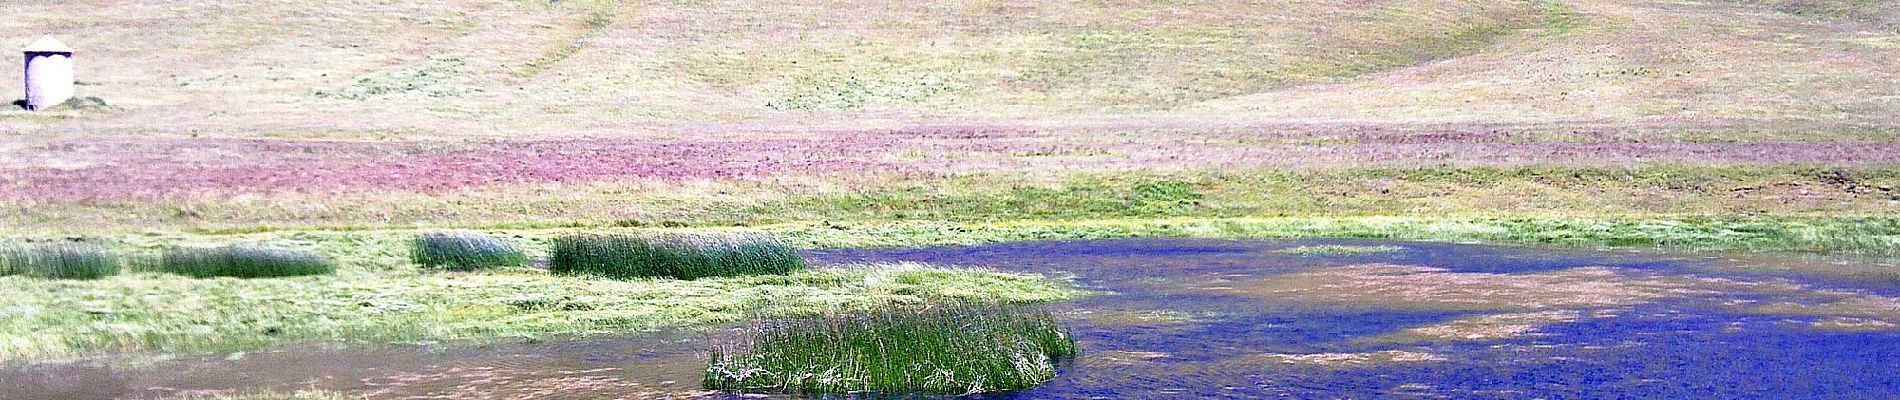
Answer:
(49, 73)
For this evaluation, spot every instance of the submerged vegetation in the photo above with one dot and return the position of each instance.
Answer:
(1337, 250)
(264, 395)
(240, 261)
(59, 261)
(464, 251)
(678, 256)
(949, 350)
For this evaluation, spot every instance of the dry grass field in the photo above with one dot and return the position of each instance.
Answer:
(361, 113)
(499, 68)
(503, 69)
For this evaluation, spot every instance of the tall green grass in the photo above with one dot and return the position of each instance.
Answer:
(954, 350)
(463, 251)
(243, 262)
(59, 261)
(679, 256)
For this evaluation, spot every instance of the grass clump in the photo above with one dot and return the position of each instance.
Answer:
(954, 350)
(59, 261)
(464, 251)
(244, 262)
(1337, 250)
(679, 256)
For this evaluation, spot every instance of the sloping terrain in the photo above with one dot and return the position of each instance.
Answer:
(1876, 13)
(391, 69)
(251, 68)
(376, 112)
(1625, 60)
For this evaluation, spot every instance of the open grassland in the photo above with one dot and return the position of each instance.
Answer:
(155, 169)
(493, 114)
(1878, 14)
(1624, 60)
(142, 312)
(497, 68)
(1462, 192)
(591, 64)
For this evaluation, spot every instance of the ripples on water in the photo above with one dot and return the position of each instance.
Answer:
(1190, 318)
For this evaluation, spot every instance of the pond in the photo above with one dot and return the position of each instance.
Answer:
(1241, 318)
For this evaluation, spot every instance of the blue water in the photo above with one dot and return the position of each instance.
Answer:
(1156, 331)
(1676, 348)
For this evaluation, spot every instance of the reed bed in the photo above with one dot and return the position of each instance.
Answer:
(59, 261)
(678, 256)
(241, 261)
(954, 350)
(464, 251)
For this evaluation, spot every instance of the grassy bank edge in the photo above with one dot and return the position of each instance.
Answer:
(1662, 190)
(1860, 236)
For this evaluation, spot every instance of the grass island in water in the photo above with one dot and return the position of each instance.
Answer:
(950, 350)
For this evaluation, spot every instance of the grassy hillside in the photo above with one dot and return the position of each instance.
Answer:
(497, 113)
(380, 69)
(1873, 13)
(1683, 61)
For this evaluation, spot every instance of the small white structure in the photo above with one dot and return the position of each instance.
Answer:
(49, 73)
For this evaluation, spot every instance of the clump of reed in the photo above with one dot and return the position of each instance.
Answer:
(678, 256)
(953, 350)
(464, 251)
(242, 261)
(59, 261)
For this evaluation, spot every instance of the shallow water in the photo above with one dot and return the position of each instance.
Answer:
(1240, 318)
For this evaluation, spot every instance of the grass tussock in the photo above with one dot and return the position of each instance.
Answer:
(464, 251)
(679, 256)
(243, 262)
(955, 350)
(1337, 250)
(59, 261)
